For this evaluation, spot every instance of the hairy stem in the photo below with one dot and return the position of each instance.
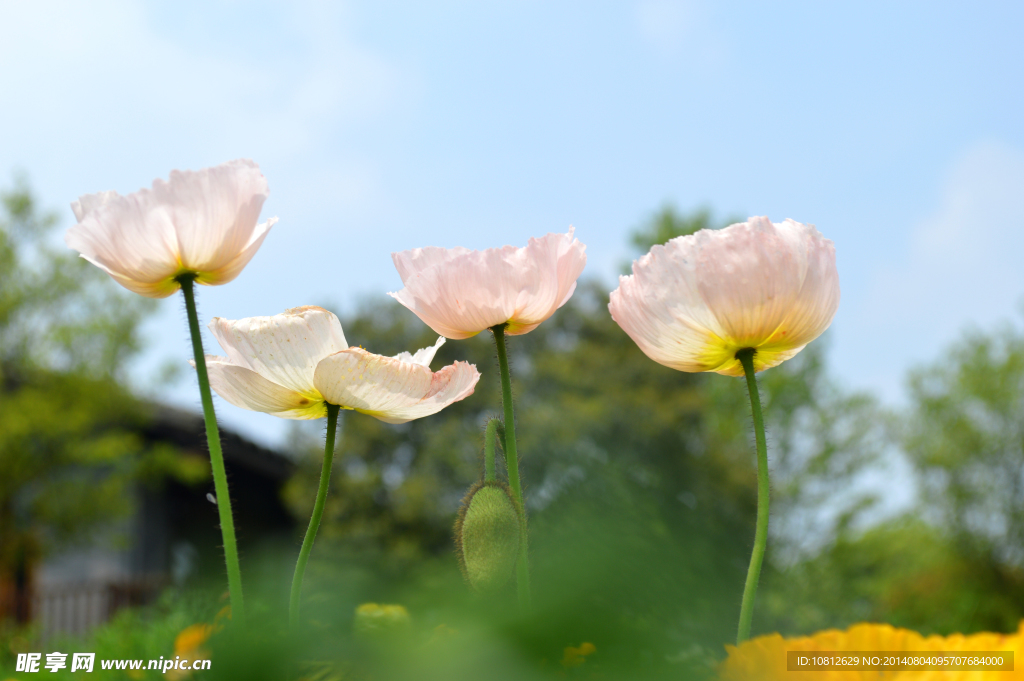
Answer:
(490, 474)
(220, 478)
(314, 520)
(746, 357)
(512, 461)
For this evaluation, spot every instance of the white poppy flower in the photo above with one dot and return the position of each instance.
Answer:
(202, 223)
(694, 302)
(459, 293)
(293, 364)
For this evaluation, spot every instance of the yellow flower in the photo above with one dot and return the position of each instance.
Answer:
(373, 618)
(192, 638)
(574, 657)
(188, 645)
(764, 658)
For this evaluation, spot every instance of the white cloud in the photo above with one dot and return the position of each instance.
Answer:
(962, 267)
(91, 77)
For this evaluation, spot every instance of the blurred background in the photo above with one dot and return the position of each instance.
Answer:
(895, 440)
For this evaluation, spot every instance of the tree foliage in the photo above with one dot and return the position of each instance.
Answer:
(57, 311)
(69, 448)
(966, 438)
(955, 561)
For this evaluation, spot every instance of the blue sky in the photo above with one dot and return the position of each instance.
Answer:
(896, 128)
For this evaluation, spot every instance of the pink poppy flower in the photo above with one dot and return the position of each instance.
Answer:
(293, 364)
(694, 302)
(202, 222)
(459, 293)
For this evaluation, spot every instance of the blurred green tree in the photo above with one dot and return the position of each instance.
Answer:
(954, 562)
(965, 438)
(58, 312)
(667, 223)
(68, 442)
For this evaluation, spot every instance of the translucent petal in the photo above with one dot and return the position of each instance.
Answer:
(694, 302)
(389, 389)
(246, 389)
(235, 266)
(284, 348)
(203, 222)
(424, 356)
(459, 293)
(90, 202)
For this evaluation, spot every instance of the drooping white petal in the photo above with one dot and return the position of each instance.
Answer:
(694, 302)
(283, 348)
(423, 356)
(389, 389)
(245, 388)
(202, 222)
(459, 293)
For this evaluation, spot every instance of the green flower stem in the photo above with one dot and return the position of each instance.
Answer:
(490, 475)
(318, 512)
(746, 357)
(220, 478)
(512, 461)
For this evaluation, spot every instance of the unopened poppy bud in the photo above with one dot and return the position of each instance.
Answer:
(487, 536)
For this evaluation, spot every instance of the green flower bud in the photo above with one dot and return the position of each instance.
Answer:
(487, 536)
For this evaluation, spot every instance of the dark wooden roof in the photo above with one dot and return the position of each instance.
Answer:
(185, 429)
